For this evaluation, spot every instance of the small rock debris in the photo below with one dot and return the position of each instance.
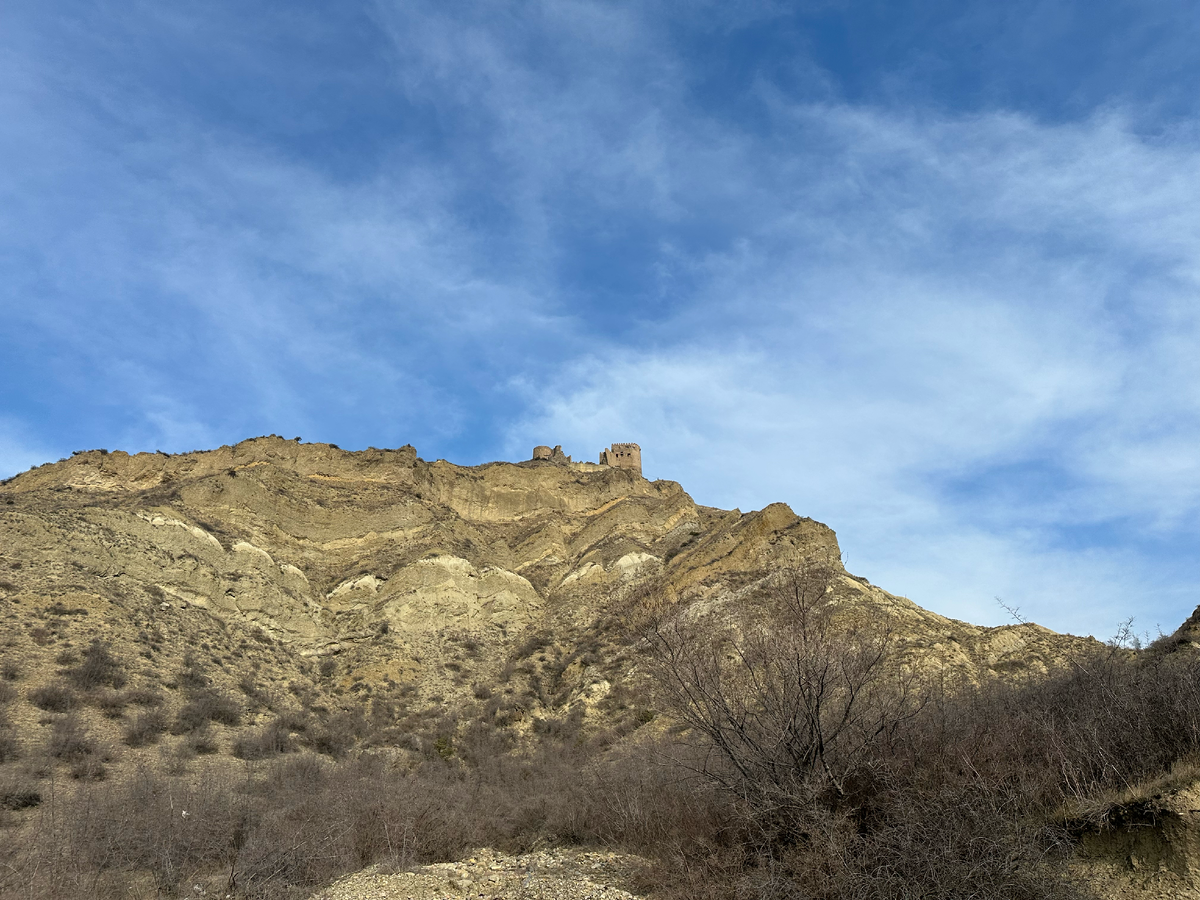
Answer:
(562, 874)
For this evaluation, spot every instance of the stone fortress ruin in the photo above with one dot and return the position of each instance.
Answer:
(619, 456)
(622, 456)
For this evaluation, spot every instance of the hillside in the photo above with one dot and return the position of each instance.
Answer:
(280, 598)
(378, 558)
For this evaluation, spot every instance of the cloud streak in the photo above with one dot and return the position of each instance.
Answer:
(961, 332)
(967, 381)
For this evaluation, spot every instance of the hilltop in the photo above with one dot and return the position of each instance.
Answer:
(339, 610)
(332, 553)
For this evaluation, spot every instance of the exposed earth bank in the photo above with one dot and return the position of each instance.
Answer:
(275, 596)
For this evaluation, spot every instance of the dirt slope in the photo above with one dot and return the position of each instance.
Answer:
(331, 552)
(310, 582)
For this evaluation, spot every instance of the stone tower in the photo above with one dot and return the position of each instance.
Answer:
(622, 456)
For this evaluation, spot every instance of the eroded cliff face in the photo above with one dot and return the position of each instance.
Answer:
(379, 557)
(316, 545)
(316, 585)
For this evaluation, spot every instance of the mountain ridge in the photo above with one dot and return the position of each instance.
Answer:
(274, 600)
(322, 547)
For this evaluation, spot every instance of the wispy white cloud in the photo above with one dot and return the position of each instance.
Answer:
(896, 377)
(966, 340)
(747, 430)
(255, 291)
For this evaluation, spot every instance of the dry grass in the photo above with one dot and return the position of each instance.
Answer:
(845, 779)
(1106, 808)
(54, 698)
(965, 778)
(285, 828)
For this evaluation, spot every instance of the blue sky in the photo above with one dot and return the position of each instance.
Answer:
(927, 272)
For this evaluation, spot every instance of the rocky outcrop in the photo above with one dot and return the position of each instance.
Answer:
(562, 874)
(379, 556)
(320, 587)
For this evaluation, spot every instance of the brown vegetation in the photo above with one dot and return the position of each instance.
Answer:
(53, 698)
(98, 668)
(850, 774)
(808, 761)
(666, 680)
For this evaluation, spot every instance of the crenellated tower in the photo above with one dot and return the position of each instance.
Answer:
(622, 456)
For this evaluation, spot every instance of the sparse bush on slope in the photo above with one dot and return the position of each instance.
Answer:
(855, 780)
(98, 668)
(146, 728)
(804, 760)
(53, 698)
(807, 725)
(10, 746)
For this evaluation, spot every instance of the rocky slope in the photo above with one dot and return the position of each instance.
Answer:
(542, 875)
(331, 552)
(317, 576)
(310, 583)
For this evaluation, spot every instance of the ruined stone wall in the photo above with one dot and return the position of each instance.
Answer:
(622, 456)
(556, 455)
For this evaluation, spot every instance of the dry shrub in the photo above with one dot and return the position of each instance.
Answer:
(262, 743)
(53, 698)
(10, 746)
(19, 794)
(293, 719)
(72, 744)
(258, 697)
(144, 697)
(89, 768)
(937, 786)
(286, 828)
(1106, 721)
(8, 693)
(168, 829)
(337, 734)
(70, 741)
(206, 706)
(932, 838)
(845, 775)
(642, 798)
(99, 668)
(110, 703)
(203, 741)
(191, 677)
(795, 705)
(146, 729)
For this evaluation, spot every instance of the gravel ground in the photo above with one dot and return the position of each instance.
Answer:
(542, 875)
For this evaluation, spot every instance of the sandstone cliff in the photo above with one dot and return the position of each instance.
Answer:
(380, 557)
(322, 588)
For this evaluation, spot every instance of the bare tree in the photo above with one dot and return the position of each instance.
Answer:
(793, 702)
